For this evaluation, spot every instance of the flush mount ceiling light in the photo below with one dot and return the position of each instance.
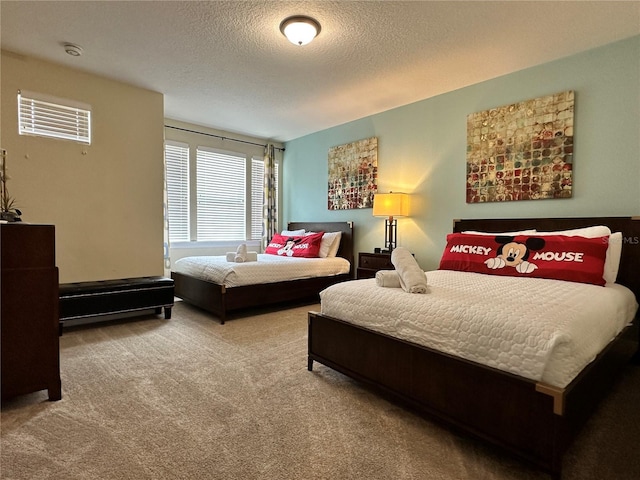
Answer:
(72, 49)
(299, 29)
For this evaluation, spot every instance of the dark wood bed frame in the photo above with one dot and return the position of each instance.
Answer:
(220, 301)
(532, 420)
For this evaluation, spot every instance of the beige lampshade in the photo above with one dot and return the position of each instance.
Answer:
(390, 205)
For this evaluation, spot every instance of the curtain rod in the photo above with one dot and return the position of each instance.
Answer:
(222, 138)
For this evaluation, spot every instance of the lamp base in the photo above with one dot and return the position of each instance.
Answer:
(390, 230)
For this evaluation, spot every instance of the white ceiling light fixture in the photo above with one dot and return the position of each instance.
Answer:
(73, 49)
(300, 29)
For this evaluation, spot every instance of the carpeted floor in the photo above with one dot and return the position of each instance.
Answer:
(188, 398)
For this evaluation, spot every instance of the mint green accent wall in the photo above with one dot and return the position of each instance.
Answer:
(422, 151)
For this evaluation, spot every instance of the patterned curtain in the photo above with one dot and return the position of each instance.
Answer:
(270, 206)
(165, 203)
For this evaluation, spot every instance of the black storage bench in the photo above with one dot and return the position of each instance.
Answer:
(84, 300)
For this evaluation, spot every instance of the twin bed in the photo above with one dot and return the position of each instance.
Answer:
(511, 360)
(222, 287)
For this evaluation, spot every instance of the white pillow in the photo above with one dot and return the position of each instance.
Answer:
(329, 244)
(292, 233)
(334, 245)
(612, 261)
(522, 232)
(588, 232)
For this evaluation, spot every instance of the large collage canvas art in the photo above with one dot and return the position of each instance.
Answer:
(521, 151)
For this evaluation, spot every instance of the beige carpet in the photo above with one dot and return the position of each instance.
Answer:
(189, 398)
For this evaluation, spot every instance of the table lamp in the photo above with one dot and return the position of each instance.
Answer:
(390, 205)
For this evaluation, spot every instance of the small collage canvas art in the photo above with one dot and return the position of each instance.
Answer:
(353, 175)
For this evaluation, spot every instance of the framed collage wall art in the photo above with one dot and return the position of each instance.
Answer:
(353, 175)
(521, 151)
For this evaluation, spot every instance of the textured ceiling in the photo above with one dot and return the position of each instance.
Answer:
(227, 66)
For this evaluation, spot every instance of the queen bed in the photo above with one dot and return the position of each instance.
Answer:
(518, 364)
(267, 281)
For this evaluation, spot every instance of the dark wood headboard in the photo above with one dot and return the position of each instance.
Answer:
(629, 272)
(346, 240)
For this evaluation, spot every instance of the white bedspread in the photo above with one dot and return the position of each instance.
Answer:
(544, 330)
(268, 269)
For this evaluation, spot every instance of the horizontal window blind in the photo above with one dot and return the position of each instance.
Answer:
(47, 116)
(220, 186)
(177, 175)
(257, 196)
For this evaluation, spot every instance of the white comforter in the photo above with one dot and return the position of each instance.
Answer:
(268, 269)
(544, 330)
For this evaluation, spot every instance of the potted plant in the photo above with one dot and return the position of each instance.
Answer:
(8, 210)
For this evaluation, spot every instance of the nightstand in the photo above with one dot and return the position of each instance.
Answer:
(370, 263)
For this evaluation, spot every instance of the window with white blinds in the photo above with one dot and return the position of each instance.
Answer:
(177, 174)
(221, 196)
(48, 116)
(218, 199)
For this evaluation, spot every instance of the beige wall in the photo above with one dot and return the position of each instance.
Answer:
(105, 199)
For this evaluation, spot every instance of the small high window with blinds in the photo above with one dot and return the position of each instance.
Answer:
(47, 116)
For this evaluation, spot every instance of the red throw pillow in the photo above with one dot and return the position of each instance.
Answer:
(571, 258)
(287, 246)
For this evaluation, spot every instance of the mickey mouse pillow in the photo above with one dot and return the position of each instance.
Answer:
(571, 258)
(295, 246)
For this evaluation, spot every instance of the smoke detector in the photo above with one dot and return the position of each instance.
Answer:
(73, 49)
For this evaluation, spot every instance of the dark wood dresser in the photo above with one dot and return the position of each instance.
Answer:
(29, 310)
